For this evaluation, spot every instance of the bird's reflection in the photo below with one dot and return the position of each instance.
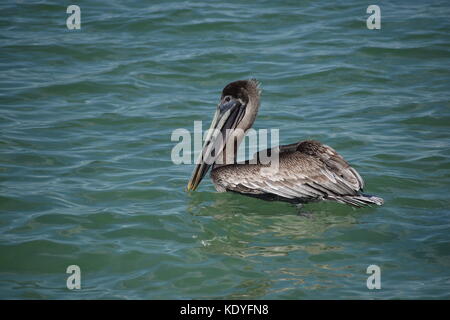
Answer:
(238, 226)
(286, 253)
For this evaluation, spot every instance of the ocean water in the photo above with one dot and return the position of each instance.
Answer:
(86, 176)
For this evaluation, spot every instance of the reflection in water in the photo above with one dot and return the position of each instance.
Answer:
(244, 228)
(237, 225)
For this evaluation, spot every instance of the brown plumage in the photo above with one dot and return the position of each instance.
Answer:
(308, 170)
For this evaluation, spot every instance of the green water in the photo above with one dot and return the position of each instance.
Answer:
(86, 176)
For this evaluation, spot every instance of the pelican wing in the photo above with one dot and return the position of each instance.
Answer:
(307, 171)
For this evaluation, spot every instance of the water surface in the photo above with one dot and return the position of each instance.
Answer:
(86, 176)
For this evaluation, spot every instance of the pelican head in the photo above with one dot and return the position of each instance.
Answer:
(234, 115)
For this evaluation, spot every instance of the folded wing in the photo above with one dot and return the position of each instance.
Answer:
(308, 171)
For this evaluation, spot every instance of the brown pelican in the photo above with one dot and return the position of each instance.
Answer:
(308, 170)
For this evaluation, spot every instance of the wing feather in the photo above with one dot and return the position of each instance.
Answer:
(307, 170)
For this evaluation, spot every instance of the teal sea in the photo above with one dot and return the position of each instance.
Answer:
(86, 176)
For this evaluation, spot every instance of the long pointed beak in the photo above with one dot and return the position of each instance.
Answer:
(228, 115)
